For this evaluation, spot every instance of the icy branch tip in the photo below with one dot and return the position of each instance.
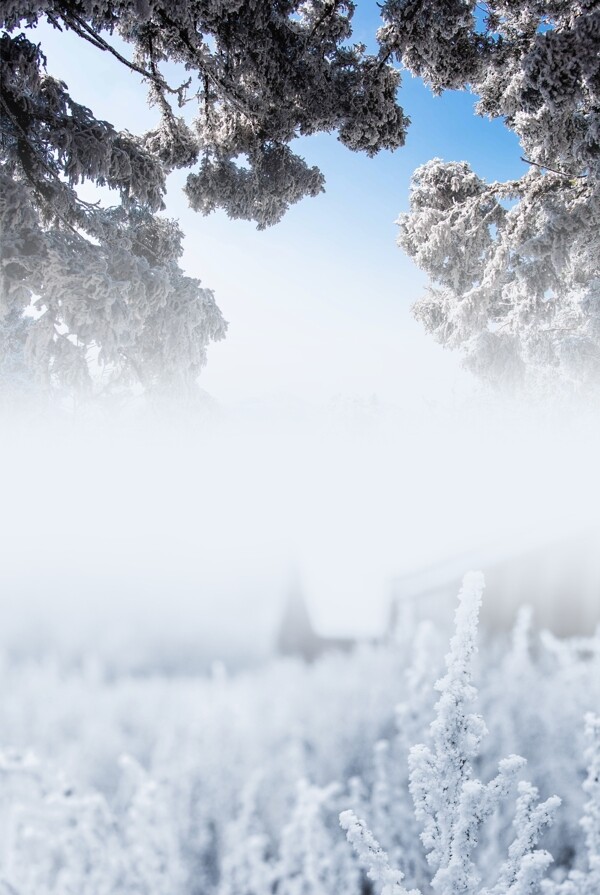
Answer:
(469, 598)
(473, 582)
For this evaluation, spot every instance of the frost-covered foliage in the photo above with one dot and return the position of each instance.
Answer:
(233, 784)
(587, 880)
(101, 288)
(451, 805)
(514, 266)
(83, 287)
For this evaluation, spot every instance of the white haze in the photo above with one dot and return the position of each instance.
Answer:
(181, 537)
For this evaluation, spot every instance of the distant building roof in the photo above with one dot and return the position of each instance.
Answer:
(560, 580)
(297, 636)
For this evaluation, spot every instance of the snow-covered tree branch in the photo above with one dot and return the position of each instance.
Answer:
(514, 266)
(87, 288)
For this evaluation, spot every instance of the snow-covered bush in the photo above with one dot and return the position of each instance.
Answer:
(233, 784)
(450, 804)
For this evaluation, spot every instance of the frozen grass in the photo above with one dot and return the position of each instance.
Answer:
(233, 785)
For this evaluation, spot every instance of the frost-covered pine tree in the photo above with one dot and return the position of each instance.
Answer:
(87, 288)
(514, 267)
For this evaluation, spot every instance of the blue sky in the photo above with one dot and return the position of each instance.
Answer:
(319, 305)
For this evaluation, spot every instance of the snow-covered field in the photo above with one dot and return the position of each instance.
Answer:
(234, 783)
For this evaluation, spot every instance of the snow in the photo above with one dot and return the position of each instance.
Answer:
(232, 783)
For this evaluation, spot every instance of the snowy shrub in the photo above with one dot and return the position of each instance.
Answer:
(233, 784)
(450, 803)
(587, 881)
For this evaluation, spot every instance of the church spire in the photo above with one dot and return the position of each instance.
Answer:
(296, 635)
